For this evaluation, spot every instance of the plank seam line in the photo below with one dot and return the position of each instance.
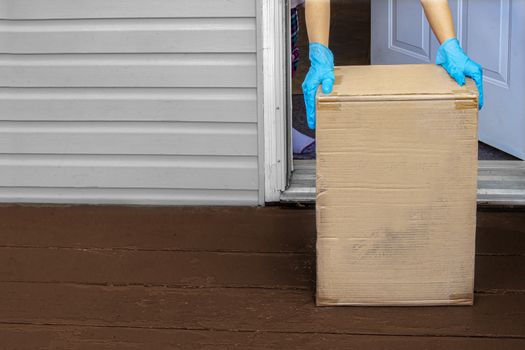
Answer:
(96, 249)
(480, 292)
(218, 251)
(496, 291)
(206, 329)
(159, 286)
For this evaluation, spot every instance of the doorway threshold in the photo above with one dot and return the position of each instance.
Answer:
(500, 183)
(302, 183)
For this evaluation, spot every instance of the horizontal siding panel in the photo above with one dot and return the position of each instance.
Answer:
(224, 173)
(43, 9)
(129, 102)
(159, 138)
(128, 36)
(124, 104)
(129, 70)
(141, 196)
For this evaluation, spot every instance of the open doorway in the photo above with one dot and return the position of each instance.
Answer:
(350, 41)
(350, 37)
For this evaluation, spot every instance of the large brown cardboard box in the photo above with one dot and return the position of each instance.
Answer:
(396, 187)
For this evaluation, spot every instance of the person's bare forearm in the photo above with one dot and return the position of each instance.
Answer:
(440, 18)
(318, 21)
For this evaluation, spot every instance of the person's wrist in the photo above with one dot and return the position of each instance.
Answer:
(319, 40)
(319, 44)
(444, 36)
(450, 41)
(320, 54)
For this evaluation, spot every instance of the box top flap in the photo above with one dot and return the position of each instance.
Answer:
(386, 82)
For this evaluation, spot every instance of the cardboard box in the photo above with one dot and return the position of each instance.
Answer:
(396, 187)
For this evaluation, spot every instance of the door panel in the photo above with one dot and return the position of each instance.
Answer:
(492, 32)
(488, 25)
(413, 40)
(400, 33)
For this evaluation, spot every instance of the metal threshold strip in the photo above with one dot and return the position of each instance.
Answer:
(500, 183)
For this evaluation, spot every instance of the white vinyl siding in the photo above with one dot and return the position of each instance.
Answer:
(129, 101)
(129, 35)
(79, 9)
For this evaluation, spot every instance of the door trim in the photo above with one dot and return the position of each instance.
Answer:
(274, 104)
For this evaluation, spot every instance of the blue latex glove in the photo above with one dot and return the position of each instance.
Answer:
(452, 57)
(321, 72)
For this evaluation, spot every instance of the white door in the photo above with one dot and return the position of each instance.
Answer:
(492, 32)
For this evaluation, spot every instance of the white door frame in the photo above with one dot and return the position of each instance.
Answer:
(274, 66)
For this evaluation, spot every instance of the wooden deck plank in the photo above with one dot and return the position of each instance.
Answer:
(30, 337)
(248, 309)
(494, 274)
(159, 228)
(190, 269)
(500, 232)
(165, 277)
(180, 228)
(500, 274)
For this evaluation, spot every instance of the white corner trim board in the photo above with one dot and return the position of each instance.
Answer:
(274, 97)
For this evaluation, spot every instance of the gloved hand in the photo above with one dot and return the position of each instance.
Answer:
(321, 72)
(452, 57)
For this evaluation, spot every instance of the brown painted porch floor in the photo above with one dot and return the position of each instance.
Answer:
(111, 277)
